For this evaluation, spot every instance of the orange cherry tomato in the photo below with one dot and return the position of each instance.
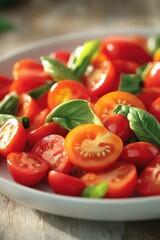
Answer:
(92, 147)
(156, 56)
(106, 104)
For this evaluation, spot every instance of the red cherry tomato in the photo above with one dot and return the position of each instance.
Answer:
(121, 179)
(92, 147)
(5, 84)
(66, 90)
(119, 125)
(148, 182)
(51, 149)
(148, 95)
(101, 79)
(65, 185)
(106, 104)
(155, 108)
(122, 49)
(12, 137)
(26, 168)
(152, 75)
(39, 119)
(62, 56)
(124, 66)
(139, 153)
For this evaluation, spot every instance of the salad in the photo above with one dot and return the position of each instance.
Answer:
(87, 122)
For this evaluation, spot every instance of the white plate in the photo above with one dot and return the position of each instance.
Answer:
(42, 197)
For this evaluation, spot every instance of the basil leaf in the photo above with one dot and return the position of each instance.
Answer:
(40, 91)
(23, 120)
(73, 113)
(96, 191)
(9, 103)
(81, 56)
(145, 126)
(153, 43)
(57, 69)
(121, 109)
(130, 83)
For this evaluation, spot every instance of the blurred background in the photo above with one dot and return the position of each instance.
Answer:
(24, 22)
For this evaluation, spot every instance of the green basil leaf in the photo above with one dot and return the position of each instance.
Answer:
(153, 43)
(23, 120)
(9, 103)
(40, 91)
(130, 83)
(57, 69)
(81, 56)
(96, 191)
(121, 109)
(73, 113)
(145, 126)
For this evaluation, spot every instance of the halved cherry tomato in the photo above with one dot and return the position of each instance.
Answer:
(62, 56)
(152, 75)
(148, 95)
(139, 153)
(101, 79)
(26, 168)
(155, 108)
(119, 125)
(12, 137)
(121, 179)
(92, 147)
(5, 84)
(27, 106)
(51, 149)
(106, 104)
(65, 185)
(148, 182)
(123, 49)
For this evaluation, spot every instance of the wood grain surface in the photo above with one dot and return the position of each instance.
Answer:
(36, 20)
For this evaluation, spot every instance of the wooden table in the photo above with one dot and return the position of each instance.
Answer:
(36, 20)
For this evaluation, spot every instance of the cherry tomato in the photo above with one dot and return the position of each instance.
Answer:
(121, 49)
(39, 119)
(27, 106)
(62, 56)
(155, 108)
(121, 179)
(152, 75)
(26, 168)
(156, 56)
(101, 79)
(123, 66)
(92, 147)
(5, 84)
(51, 149)
(139, 153)
(148, 182)
(12, 137)
(119, 125)
(106, 104)
(148, 95)
(66, 90)
(65, 185)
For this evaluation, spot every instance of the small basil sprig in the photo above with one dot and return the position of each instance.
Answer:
(73, 113)
(40, 91)
(81, 57)
(9, 104)
(57, 69)
(145, 126)
(130, 83)
(95, 191)
(23, 120)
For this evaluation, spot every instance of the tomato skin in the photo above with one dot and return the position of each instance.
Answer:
(101, 79)
(51, 149)
(92, 147)
(124, 66)
(26, 168)
(156, 56)
(148, 95)
(65, 185)
(148, 182)
(121, 179)
(152, 75)
(155, 108)
(12, 137)
(66, 90)
(119, 125)
(139, 153)
(119, 49)
(62, 56)
(5, 84)
(105, 105)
